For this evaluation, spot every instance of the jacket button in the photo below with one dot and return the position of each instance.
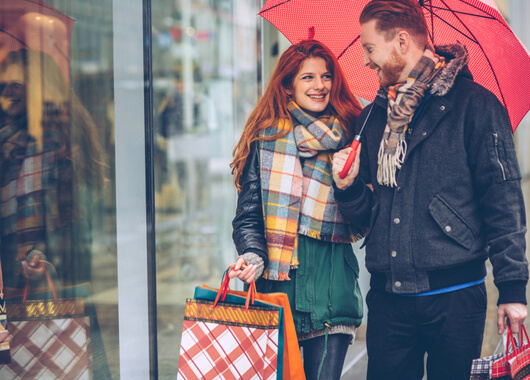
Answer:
(448, 228)
(442, 108)
(399, 189)
(393, 253)
(398, 284)
(424, 133)
(396, 221)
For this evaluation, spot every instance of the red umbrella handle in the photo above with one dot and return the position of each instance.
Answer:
(351, 157)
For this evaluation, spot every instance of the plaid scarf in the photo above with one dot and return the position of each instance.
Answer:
(403, 100)
(296, 189)
(35, 182)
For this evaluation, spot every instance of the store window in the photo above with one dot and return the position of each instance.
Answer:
(205, 84)
(77, 189)
(58, 204)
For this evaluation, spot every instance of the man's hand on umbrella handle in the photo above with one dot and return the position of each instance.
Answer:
(339, 159)
(245, 273)
(514, 312)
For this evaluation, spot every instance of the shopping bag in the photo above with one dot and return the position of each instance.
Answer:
(54, 334)
(520, 364)
(293, 367)
(5, 354)
(481, 367)
(226, 337)
(501, 369)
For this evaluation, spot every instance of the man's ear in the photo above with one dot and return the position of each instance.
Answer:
(403, 39)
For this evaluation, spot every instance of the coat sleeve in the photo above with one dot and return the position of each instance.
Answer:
(355, 202)
(248, 225)
(497, 183)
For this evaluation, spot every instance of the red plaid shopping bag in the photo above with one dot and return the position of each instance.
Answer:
(54, 334)
(501, 369)
(520, 364)
(5, 354)
(230, 339)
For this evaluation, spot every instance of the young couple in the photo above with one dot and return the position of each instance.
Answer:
(428, 185)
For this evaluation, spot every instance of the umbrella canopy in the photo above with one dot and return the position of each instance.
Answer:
(35, 24)
(497, 58)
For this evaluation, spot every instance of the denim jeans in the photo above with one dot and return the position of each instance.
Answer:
(313, 350)
(448, 327)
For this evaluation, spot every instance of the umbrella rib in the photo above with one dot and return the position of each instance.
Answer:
(464, 13)
(347, 47)
(15, 38)
(432, 21)
(483, 52)
(492, 16)
(274, 6)
(456, 29)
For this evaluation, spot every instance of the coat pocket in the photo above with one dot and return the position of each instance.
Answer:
(451, 223)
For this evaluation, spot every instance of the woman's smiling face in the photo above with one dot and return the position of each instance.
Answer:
(312, 86)
(14, 90)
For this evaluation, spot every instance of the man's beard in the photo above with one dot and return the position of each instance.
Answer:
(392, 69)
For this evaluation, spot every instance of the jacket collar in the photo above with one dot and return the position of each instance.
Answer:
(457, 58)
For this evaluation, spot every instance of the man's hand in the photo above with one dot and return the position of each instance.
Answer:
(339, 159)
(516, 314)
(246, 275)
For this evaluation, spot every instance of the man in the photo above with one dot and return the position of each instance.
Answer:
(436, 182)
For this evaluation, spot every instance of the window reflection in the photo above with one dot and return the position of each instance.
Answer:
(56, 173)
(51, 170)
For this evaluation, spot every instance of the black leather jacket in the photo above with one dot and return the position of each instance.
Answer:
(248, 224)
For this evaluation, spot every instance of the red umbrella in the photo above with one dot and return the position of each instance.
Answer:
(497, 58)
(35, 24)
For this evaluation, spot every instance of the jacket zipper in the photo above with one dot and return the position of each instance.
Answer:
(497, 154)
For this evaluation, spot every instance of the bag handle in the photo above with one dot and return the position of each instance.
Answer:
(51, 285)
(522, 334)
(225, 288)
(516, 347)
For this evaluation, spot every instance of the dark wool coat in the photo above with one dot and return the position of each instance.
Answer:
(457, 202)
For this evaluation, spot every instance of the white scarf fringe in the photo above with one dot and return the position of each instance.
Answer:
(389, 163)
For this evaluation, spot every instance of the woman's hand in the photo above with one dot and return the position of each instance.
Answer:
(339, 159)
(32, 266)
(245, 273)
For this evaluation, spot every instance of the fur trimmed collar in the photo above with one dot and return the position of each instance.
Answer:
(457, 59)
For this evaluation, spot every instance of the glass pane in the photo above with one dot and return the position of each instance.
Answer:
(57, 168)
(205, 73)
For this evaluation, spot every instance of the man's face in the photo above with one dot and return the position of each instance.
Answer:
(381, 55)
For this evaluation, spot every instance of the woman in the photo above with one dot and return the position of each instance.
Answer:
(50, 170)
(287, 229)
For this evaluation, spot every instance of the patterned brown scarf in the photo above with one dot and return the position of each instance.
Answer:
(35, 183)
(403, 100)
